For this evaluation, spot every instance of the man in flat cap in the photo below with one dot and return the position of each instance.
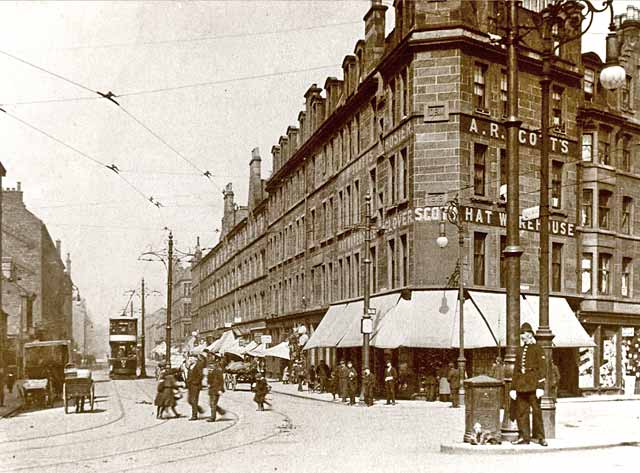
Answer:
(527, 387)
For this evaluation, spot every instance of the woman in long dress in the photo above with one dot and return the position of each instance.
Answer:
(166, 396)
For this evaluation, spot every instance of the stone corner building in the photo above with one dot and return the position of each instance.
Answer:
(417, 117)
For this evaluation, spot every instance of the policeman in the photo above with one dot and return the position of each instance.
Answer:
(527, 387)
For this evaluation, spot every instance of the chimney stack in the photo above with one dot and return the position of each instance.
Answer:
(374, 35)
(68, 264)
(255, 180)
(59, 248)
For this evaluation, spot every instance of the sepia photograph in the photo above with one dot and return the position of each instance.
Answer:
(311, 236)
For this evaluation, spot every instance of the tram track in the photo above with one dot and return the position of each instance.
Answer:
(84, 440)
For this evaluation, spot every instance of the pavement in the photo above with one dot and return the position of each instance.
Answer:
(582, 423)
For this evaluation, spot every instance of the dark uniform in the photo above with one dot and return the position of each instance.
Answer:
(262, 388)
(390, 377)
(453, 376)
(342, 380)
(528, 375)
(215, 380)
(194, 385)
(352, 384)
(368, 387)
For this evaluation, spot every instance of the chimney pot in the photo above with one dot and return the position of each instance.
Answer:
(19, 186)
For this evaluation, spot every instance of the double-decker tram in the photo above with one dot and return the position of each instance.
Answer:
(123, 339)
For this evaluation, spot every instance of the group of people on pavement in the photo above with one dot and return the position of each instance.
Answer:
(168, 387)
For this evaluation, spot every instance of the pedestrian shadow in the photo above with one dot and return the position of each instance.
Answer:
(89, 411)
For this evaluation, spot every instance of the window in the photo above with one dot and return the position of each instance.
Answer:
(627, 206)
(340, 211)
(479, 240)
(587, 146)
(604, 198)
(340, 280)
(330, 281)
(479, 161)
(556, 184)
(502, 179)
(392, 104)
(348, 209)
(325, 221)
(503, 261)
(625, 161)
(604, 273)
(604, 155)
(391, 263)
(393, 190)
(356, 201)
(556, 108)
(625, 283)
(403, 175)
(589, 83)
(479, 81)
(331, 226)
(404, 261)
(373, 123)
(347, 276)
(355, 135)
(586, 219)
(405, 93)
(312, 235)
(626, 92)
(356, 275)
(504, 94)
(556, 267)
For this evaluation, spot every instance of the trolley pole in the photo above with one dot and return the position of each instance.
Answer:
(143, 356)
(169, 301)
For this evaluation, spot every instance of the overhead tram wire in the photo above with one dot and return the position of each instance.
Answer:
(112, 167)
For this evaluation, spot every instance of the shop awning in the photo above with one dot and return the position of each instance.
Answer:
(563, 322)
(226, 339)
(431, 320)
(382, 304)
(241, 331)
(329, 332)
(250, 346)
(425, 321)
(281, 350)
(258, 351)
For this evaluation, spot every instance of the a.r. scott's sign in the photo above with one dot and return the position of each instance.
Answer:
(494, 218)
(490, 129)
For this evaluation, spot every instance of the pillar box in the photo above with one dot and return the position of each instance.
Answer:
(482, 405)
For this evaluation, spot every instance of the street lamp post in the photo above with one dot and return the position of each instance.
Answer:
(367, 322)
(560, 22)
(453, 213)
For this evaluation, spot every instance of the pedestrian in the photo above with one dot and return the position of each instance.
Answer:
(390, 379)
(166, 396)
(194, 385)
(323, 371)
(2, 380)
(334, 384)
(299, 368)
(368, 386)
(285, 375)
(555, 380)
(431, 383)
(343, 375)
(444, 390)
(311, 378)
(215, 381)
(11, 379)
(352, 383)
(527, 387)
(262, 388)
(453, 377)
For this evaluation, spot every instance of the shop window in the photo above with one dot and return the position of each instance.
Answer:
(604, 209)
(556, 267)
(627, 215)
(626, 277)
(586, 275)
(604, 274)
(556, 184)
(608, 373)
(586, 214)
(479, 168)
(587, 147)
(479, 255)
(479, 91)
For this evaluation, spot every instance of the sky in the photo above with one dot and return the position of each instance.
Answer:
(200, 84)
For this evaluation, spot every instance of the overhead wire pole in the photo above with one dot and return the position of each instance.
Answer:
(169, 296)
(143, 356)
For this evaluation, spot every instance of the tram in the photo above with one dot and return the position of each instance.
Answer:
(123, 340)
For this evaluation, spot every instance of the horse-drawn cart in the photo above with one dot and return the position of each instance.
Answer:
(239, 372)
(44, 371)
(78, 387)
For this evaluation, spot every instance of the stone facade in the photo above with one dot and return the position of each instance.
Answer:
(37, 289)
(181, 303)
(416, 120)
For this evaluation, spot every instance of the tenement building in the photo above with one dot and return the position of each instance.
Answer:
(416, 120)
(36, 287)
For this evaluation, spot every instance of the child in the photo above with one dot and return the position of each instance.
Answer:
(158, 402)
(262, 388)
